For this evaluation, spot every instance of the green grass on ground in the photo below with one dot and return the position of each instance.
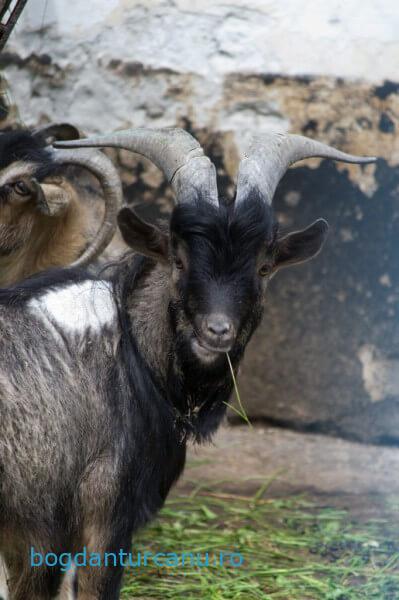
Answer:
(293, 549)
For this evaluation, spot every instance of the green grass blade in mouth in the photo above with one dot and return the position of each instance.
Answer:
(241, 410)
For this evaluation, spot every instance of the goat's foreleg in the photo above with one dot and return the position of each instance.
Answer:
(103, 582)
(67, 591)
(106, 529)
(23, 583)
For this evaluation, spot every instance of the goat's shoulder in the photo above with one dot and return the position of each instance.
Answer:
(71, 301)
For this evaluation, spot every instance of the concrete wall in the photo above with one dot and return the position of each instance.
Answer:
(327, 354)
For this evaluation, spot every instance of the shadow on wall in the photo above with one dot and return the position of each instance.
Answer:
(326, 357)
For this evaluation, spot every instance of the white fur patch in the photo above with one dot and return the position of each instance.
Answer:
(66, 591)
(78, 307)
(3, 580)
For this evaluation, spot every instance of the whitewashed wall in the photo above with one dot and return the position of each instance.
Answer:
(123, 62)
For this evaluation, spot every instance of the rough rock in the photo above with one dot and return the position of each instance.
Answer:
(325, 357)
(242, 459)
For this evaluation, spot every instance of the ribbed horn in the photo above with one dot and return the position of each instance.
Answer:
(173, 150)
(103, 169)
(270, 156)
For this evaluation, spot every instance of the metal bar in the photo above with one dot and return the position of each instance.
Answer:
(4, 4)
(8, 25)
(4, 7)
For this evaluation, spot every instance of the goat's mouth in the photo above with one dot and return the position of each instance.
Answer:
(208, 352)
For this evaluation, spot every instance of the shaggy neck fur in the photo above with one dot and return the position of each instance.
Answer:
(184, 398)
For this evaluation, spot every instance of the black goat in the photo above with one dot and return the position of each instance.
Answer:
(102, 382)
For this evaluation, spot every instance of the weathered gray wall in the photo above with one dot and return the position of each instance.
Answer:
(327, 354)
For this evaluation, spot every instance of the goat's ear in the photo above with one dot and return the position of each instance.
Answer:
(51, 200)
(300, 246)
(142, 237)
(57, 132)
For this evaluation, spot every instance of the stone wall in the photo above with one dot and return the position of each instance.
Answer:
(326, 357)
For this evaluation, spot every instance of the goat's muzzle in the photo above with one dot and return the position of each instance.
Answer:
(215, 334)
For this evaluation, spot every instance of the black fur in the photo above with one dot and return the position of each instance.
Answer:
(24, 146)
(223, 244)
(154, 429)
(232, 235)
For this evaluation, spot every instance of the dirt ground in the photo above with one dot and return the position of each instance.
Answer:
(315, 517)
(357, 477)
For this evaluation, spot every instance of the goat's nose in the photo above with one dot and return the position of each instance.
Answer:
(219, 326)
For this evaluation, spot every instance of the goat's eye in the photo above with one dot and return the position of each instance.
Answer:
(264, 270)
(179, 264)
(21, 188)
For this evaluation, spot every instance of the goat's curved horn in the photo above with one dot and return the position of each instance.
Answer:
(270, 156)
(103, 169)
(173, 150)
